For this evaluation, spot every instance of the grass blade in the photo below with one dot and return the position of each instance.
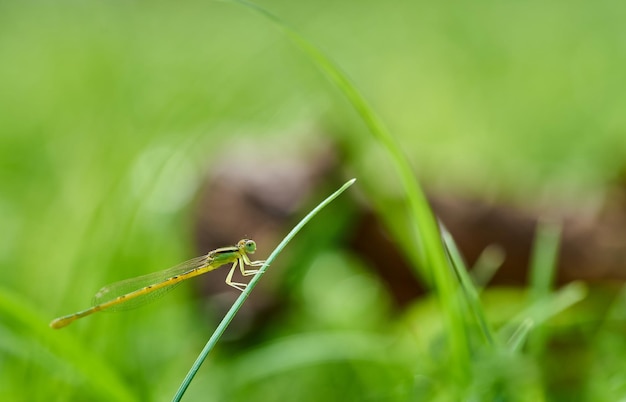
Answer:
(432, 257)
(516, 341)
(542, 271)
(467, 286)
(544, 258)
(217, 334)
(544, 309)
(488, 263)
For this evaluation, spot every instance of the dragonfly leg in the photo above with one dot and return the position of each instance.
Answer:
(246, 260)
(242, 266)
(229, 278)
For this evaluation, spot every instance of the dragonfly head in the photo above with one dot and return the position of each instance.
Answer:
(247, 246)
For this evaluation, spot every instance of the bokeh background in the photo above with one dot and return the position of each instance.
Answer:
(136, 135)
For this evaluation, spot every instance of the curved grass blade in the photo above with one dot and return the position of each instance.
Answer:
(430, 250)
(217, 334)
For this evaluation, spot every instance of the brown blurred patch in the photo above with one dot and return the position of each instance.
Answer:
(261, 195)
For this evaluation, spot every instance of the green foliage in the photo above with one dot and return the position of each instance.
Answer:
(113, 112)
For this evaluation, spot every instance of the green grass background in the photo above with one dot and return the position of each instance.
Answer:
(111, 113)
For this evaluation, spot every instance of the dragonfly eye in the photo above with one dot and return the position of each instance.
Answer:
(250, 246)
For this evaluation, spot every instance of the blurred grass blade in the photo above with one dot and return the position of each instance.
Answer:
(217, 334)
(544, 258)
(486, 266)
(542, 271)
(516, 341)
(467, 286)
(545, 308)
(95, 371)
(433, 260)
(297, 352)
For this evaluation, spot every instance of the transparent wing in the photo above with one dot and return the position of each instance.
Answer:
(126, 286)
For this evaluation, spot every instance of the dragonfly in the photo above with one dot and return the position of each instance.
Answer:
(134, 292)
